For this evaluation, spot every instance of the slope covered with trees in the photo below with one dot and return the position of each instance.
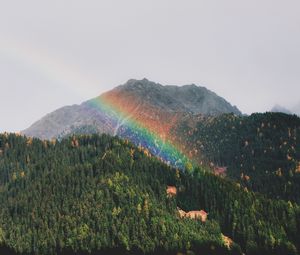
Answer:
(98, 194)
(261, 151)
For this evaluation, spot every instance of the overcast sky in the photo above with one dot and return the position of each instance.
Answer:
(58, 52)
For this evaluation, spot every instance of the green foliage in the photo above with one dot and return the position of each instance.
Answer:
(261, 151)
(70, 198)
(1, 236)
(258, 224)
(85, 194)
(189, 167)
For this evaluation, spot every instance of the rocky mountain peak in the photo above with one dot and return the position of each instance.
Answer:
(187, 98)
(144, 100)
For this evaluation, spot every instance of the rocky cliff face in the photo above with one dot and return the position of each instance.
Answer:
(188, 98)
(158, 107)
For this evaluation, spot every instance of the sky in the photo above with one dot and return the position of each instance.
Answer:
(63, 52)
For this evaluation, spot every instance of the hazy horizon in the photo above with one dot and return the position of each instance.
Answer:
(65, 52)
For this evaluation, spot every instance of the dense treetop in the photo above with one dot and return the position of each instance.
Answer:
(94, 193)
(261, 151)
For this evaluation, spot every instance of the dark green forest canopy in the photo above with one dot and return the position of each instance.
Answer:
(261, 151)
(101, 194)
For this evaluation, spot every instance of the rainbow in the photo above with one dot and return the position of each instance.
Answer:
(140, 135)
(68, 75)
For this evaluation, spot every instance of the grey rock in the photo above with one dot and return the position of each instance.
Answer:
(189, 99)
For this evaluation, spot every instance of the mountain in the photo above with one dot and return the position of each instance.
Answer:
(175, 125)
(142, 100)
(183, 126)
(93, 194)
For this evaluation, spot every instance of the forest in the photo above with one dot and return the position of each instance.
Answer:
(91, 194)
(260, 151)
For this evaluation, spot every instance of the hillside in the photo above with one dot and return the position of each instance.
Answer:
(183, 125)
(261, 151)
(103, 195)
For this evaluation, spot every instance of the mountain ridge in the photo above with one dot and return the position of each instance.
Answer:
(160, 99)
(179, 95)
